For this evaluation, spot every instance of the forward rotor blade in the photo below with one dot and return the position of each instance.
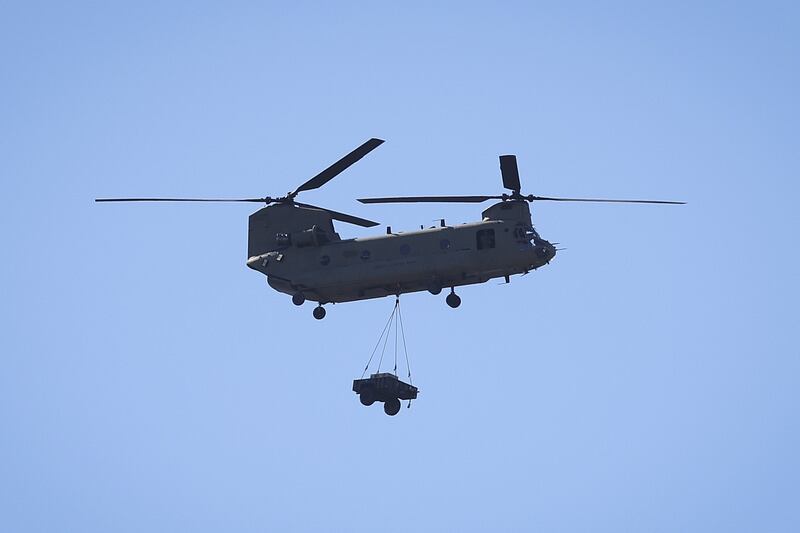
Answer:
(259, 200)
(342, 217)
(551, 199)
(412, 199)
(510, 172)
(340, 166)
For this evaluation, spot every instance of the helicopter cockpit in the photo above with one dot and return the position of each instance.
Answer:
(526, 234)
(532, 235)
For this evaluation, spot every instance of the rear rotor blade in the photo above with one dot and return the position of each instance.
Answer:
(342, 217)
(510, 172)
(259, 200)
(552, 199)
(337, 168)
(412, 199)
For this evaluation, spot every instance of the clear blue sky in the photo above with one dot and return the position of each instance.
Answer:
(647, 380)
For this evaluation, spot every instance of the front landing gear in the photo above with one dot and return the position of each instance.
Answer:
(319, 312)
(298, 298)
(453, 299)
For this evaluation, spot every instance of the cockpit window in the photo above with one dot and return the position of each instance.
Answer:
(525, 234)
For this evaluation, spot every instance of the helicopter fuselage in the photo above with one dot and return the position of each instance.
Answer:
(296, 246)
(504, 243)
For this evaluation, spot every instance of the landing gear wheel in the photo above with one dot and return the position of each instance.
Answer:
(434, 289)
(453, 300)
(391, 407)
(298, 298)
(366, 398)
(319, 312)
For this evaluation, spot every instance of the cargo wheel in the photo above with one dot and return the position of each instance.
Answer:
(367, 397)
(319, 312)
(391, 407)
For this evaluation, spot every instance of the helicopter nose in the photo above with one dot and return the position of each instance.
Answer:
(545, 250)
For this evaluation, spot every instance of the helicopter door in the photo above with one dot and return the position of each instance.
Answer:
(485, 239)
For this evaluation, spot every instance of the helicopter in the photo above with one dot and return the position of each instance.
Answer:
(297, 248)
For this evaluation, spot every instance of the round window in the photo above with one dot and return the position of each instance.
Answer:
(324, 260)
(365, 255)
(405, 249)
(444, 244)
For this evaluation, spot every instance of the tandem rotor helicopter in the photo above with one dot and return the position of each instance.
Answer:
(297, 248)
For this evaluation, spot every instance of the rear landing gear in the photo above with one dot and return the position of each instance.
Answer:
(453, 300)
(319, 312)
(298, 298)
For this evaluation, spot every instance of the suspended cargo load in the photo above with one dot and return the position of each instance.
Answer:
(384, 387)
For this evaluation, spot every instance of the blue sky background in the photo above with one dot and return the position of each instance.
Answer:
(646, 380)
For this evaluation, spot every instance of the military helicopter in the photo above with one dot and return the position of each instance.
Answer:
(297, 248)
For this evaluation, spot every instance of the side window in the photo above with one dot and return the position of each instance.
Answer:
(405, 249)
(485, 239)
(444, 244)
(325, 260)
